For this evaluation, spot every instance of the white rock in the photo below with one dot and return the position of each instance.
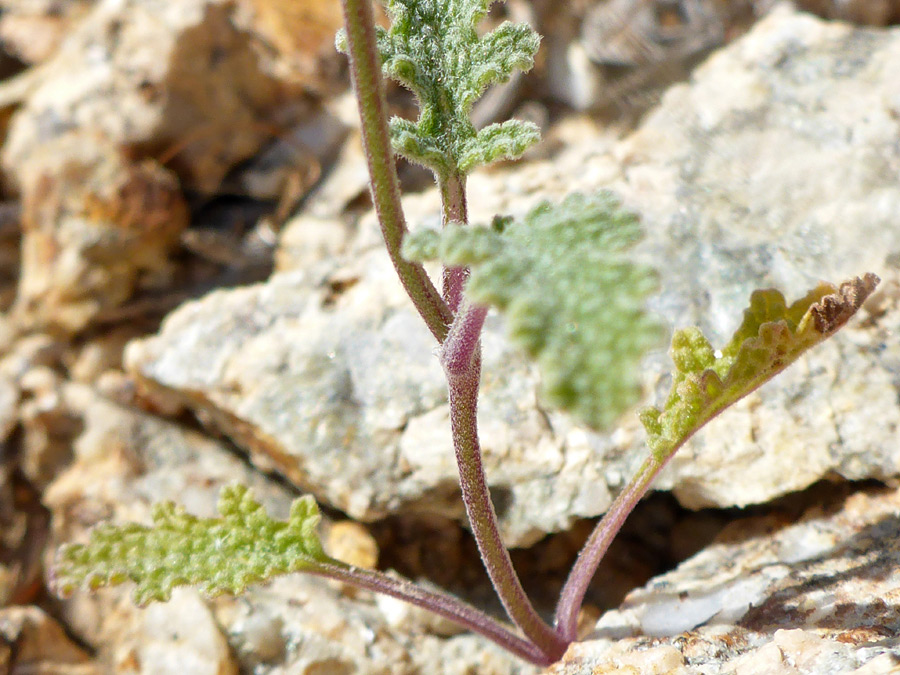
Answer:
(128, 459)
(181, 636)
(772, 167)
(747, 605)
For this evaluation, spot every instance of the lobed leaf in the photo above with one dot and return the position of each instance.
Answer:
(507, 140)
(433, 48)
(219, 555)
(572, 298)
(771, 337)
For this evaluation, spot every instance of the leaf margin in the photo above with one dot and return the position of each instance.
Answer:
(167, 554)
(597, 228)
(771, 337)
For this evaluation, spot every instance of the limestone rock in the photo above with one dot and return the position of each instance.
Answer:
(199, 90)
(182, 636)
(23, 535)
(344, 396)
(870, 12)
(48, 427)
(23, 523)
(319, 231)
(771, 168)
(141, 101)
(9, 249)
(96, 227)
(351, 543)
(816, 596)
(101, 355)
(622, 54)
(285, 168)
(125, 460)
(33, 31)
(320, 631)
(9, 399)
(302, 35)
(14, 526)
(32, 642)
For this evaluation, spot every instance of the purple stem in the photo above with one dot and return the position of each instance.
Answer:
(365, 70)
(463, 387)
(463, 339)
(461, 359)
(582, 572)
(444, 605)
(454, 210)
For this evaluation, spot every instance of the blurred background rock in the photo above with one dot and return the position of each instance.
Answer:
(193, 292)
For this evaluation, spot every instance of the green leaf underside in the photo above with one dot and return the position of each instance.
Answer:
(218, 555)
(572, 298)
(433, 49)
(772, 336)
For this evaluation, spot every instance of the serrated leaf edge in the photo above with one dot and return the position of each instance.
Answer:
(454, 145)
(828, 308)
(72, 569)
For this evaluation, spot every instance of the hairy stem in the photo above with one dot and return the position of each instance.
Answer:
(365, 70)
(572, 596)
(440, 603)
(454, 210)
(463, 339)
(545, 646)
(482, 517)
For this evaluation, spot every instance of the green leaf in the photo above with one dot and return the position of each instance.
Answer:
(772, 336)
(219, 555)
(422, 149)
(573, 299)
(433, 48)
(498, 141)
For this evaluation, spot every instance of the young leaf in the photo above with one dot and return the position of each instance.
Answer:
(771, 337)
(433, 48)
(572, 298)
(219, 555)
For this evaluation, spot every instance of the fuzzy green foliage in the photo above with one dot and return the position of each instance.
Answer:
(571, 296)
(771, 337)
(433, 48)
(218, 555)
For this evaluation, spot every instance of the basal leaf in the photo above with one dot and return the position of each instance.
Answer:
(572, 297)
(219, 555)
(772, 336)
(433, 48)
